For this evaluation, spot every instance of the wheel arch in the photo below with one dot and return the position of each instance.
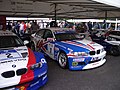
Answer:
(61, 51)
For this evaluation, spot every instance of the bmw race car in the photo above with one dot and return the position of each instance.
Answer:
(20, 67)
(110, 40)
(69, 48)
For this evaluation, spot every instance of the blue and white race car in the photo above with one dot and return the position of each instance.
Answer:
(20, 67)
(69, 48)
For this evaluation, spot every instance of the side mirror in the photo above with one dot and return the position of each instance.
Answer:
(26, 42)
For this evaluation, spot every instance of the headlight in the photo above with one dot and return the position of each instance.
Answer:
(79, 53)
(37, 65)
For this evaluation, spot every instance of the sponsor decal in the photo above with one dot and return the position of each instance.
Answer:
(9, 61)
(74, 63)
(44, 77)
(34, 84)
(22, 88)
(21, 49)
(79, 60)
(42, 74)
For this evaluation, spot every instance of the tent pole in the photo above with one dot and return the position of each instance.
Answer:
(105, 15)
(55, 14)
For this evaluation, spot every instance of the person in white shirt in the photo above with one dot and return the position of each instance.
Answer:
(21, 29)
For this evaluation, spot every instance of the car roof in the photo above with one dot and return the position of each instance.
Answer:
(6, 33)
(61, 30)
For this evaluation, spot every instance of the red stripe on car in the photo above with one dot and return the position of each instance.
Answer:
(29, 75)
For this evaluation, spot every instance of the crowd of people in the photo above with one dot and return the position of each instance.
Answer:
(22, 27)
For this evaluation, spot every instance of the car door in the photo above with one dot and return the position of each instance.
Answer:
(38, 37)
(48, 43)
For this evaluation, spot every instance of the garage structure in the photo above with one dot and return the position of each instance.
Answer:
(104, 78)
(59, 9)
(62, 8)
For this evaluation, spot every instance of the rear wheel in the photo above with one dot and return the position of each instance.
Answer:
(62, 60)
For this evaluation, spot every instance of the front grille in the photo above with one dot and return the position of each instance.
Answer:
(21, 71)
(9, 74)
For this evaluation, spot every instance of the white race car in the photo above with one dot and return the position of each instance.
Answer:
(69, 48)
(20, 67)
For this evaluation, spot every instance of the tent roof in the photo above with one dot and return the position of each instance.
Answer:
(64, 8)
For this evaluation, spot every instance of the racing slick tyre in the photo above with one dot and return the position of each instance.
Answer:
(115, 51)
(63, 60)
(32, 46)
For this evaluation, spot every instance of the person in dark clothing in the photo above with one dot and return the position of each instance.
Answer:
(9, 27)
(34, 27)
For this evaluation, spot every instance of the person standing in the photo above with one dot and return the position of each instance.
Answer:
(17, 27)
(21, 29)
(34, 27)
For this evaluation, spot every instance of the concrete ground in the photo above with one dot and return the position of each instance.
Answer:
(106, 77)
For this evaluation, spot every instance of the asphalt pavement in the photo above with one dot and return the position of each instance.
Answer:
(105, 77)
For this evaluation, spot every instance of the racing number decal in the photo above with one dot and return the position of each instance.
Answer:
(51, 48)
(9, 55)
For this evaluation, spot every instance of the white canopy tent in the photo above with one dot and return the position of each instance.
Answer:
(115, 3)
(61, 8)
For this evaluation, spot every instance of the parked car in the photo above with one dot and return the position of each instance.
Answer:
(20, 67)
(113, 34)
(110, 40)
(69, 48)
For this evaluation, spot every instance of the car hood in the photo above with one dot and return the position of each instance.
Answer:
(80, 45)
(14, 59)
(9, 54)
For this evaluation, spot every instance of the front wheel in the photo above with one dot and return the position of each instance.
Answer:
(62, 60)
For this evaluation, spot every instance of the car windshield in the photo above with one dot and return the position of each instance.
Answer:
(68, 36)
(10, 41)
